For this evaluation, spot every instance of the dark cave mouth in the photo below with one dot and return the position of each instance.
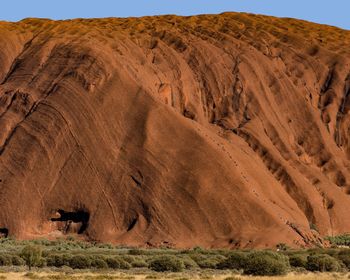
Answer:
(76, 221)
(4, 232)
(132, 224)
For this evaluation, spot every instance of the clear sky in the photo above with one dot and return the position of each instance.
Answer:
(333, 12)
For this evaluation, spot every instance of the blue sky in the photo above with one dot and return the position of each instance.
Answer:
(333, 12)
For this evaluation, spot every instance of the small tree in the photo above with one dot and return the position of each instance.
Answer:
(32, 255)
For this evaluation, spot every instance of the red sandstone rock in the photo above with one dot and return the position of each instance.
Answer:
(218, 131)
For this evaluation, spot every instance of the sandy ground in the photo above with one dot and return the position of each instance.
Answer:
(160, 276)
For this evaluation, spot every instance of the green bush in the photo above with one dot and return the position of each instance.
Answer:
(205, 261)
(282, 247)
(313, 227)
(298, 260)
(80, 262)
(340, 240)
(266, 263)
(41, 262)
(126, 258)
(5, 260)
(123, 264)
(105, 246)
(167, 263)
(113, 263)
(136, 251)
(236, 260)
(117, 263)
(189, 263)
(316, 251)
(58, 260)
(344, 256)
(322, 262)
(32, 255)
(139, 263)
(198, 249)
(17, 260)
(99, 262)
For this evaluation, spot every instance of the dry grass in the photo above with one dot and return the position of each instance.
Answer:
(163, 276)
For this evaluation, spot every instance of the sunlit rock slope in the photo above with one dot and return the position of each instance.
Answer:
(226, 130)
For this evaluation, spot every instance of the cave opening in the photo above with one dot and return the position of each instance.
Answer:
(79, 217)
(132, 224)
(4, 232)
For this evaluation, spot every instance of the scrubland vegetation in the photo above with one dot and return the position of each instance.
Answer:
(69, 257)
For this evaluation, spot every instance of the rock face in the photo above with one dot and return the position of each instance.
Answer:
(215, 131)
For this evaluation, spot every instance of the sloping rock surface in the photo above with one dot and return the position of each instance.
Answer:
(226, 130)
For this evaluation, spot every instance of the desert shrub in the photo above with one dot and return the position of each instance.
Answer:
(80, 262)
(41, 262)
(213, 262)
(139, 263)
(105, 246)
(42, 242)
(313, 227)
(298, 260)
(282, 247)
(207, 263)
(5, 260)
(266, 263)
(136, 251)
(99, 262)
(167, 263)
(123, 264)
(117, 263)
(58, 260)
(7, 240)
(236, 260)
(113, 263)
(17, 260)
(322, 262)
(189, 263)
(340, 240)
(126, 258)
(206, 260)
(32, 255)
(344, 256)
(316, 251)
(198, 249)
